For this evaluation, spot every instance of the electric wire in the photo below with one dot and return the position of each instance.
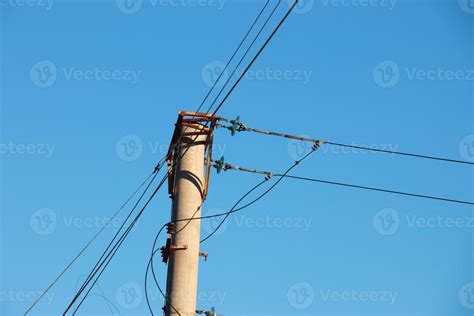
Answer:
(240, 127)
(86, 246)
(378, 189)
(256, 57)
(98, 265)
(122, 239)
(233, 210)
(245, 55)
(233, 56)
(430, 197)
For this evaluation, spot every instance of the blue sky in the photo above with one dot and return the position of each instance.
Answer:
(90, 92)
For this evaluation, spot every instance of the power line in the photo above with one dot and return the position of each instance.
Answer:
(378, 189)
(87, 245)
(256, 56)
(237, 126)
(232, 167)
(245, 55)
(233, 55)
(122, 239)
(98, 265)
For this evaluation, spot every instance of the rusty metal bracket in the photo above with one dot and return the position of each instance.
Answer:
(205, 124)
(168, 250)
(204, 255)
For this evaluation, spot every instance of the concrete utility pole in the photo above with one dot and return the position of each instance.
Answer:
(188, 189)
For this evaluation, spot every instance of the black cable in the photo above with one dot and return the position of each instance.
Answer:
(233, 56)
(89, 243)
(122, 239)
(150, 262)
(244, 128)
(400, 153)
(256, 56)
(98, 264)
(376, 189)
(245, 55)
